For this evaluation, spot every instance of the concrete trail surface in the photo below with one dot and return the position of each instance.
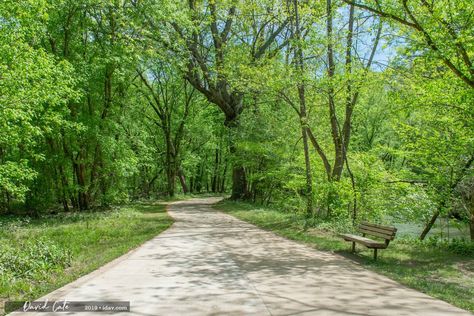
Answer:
(209, 263)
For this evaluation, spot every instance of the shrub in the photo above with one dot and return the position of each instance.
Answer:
(456, 245)
(460, 246)
(33, 258)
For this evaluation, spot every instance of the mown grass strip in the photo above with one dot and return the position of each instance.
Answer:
(41, 255)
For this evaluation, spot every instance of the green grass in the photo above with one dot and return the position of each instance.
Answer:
(40, 255)
(432, 270)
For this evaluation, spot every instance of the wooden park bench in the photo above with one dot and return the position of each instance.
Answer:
(382, 232)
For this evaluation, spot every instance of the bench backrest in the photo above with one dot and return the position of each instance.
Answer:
(385, 232)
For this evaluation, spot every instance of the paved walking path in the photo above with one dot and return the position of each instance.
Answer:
(209, 263)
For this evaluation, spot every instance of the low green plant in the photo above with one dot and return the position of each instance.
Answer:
(458, 246)
(32, 258)
(38, 255)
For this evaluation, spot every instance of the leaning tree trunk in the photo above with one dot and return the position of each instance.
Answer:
(433, 219)
(429, 225)
(444, 202)
(467, 193)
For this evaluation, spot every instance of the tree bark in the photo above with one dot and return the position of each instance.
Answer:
(239, 179)
(82, 196)
(303, 117)
(338, 155)
(239, 183)
(471, 225)
(64, 186)
(182, 180)
(171, 177)
(215, 178)
(170, 163)
(429, 225)
(224, 174)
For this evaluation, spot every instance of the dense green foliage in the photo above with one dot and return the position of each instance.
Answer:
(78, 129)
(342, 110)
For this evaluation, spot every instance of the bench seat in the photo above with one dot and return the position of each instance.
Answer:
(387, 233)
(369, 243)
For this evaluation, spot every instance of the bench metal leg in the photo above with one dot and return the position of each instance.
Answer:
(353, 246)
(375, 254)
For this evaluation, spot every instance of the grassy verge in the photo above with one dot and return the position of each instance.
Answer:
(434, 271)
(40, 255)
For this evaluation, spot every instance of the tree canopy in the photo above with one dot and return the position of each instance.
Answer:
(344, 110)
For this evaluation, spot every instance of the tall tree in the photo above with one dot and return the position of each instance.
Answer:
(209, 36)
(299, 64)
(34, 91)
(170, 97)
(442, 27)
(341, 135)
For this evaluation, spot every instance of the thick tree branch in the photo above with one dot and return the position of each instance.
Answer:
(320, 152)
(261, 50)
(428, 39)
(228, 24)
(381, 13)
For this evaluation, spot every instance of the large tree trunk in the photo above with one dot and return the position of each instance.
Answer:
(82, 196)
(170, 164)
(239, 183)
(211, 81)
(215, 174)
(224, 173)
(171, 177)
(303, 117)
(182, 180)
(331, 71)
(471, 225)
(239, 177)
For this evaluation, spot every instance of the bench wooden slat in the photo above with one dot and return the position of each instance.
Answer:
(369, 243)
(389, 228)
(377, 234)
(376, 229)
